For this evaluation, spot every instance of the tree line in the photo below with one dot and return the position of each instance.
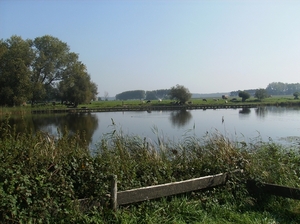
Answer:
(274, 88)
(141, 94)
(42, 69)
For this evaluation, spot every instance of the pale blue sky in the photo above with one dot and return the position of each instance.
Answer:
(207, 46)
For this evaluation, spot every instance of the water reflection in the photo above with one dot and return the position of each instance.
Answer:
(245, 111)
(174, 123)
(261, 112)
(180, 118)
(53, 123)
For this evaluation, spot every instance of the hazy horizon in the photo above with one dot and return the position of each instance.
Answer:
(207, 46)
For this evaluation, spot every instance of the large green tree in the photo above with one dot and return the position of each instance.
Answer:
(180, 93)
(51, 60)
(16, 58)
(76, 86)
(32, 70)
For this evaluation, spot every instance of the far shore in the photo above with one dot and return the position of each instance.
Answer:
(154, 105)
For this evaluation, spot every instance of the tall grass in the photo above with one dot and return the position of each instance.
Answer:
(42, 178)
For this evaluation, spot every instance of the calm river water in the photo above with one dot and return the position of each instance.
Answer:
(280, 124)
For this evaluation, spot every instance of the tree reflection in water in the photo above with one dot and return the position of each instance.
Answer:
(180, 118)
(245, 111)
(261, 112)
(84, 124)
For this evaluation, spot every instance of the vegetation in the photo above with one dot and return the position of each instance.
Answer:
(244, 95)
(274, 89)
(157, 94)
(42, 178)
(279, 88)
(180, 93)
(135, 94)
(261, 94)
(42, 69)
(296, 95)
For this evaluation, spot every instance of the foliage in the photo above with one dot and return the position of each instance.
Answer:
(77, 86)
(244, 95)
(157, 94)
(261, 94)
(16, 57)
(41, 178)
(128, 95)
(180, 93)
(279, 88)
(296, 95)
(31, 69)
(236, 93)
(275, 88)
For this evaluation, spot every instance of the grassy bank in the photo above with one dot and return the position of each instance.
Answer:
(42, 178)
(272, 101)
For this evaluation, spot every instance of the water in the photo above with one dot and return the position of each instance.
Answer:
(278, 124)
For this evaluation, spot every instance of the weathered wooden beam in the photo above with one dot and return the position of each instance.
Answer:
(163, 190)
(283, 191)
(273, 189)
(113, 192)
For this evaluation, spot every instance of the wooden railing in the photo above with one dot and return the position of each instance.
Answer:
(164, 190)
(195, 184)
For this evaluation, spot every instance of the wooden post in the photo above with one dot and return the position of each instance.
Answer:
(113, 192)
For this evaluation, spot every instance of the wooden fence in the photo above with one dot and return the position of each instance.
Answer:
(273, 189)
(195, 184)
(163, 190)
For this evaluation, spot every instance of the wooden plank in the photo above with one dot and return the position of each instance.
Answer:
(273, 189)
(163, 190)
(283, 191)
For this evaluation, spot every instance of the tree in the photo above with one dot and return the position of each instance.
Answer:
(261, 94)
(279, 88)
(244, 95)
(33, 69)
(52, 58)
(296, 95)
(131, 95)
(180, 93)
(150, 95)
(16, 57)
(76, 86)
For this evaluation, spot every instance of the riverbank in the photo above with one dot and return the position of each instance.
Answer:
(138, 105)
(143, 108)
(42, 179)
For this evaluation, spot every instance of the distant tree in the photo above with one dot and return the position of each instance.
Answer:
(261, 94)
(157, 94)
(280, 88)
(244, 95)
(131, 95)
(151, 95)
(180, 93)
(162, 93)
(296, 95)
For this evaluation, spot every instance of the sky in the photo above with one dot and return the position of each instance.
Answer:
(208, 46)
